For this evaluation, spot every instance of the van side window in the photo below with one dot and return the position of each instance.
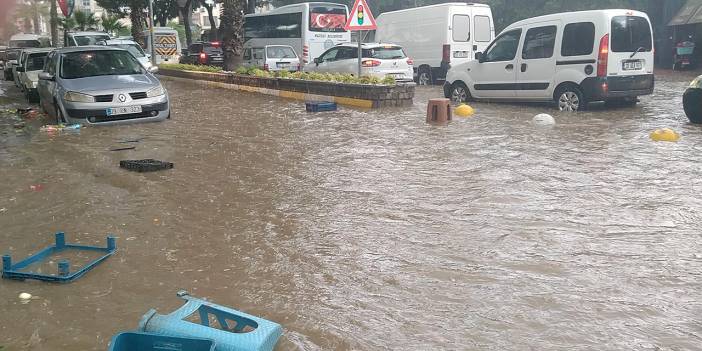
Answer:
(539, 43)
(482, 31)
(504, 48)
(578, 39)
(258, 54)
(247, 54)
(461, 28)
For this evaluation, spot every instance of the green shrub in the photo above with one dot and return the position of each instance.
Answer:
(388, 80)
(261, 73)
(186, 67)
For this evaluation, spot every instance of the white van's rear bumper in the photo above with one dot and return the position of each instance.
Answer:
(615, 87)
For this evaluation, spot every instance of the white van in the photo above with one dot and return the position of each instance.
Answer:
(167, 46)
(571, 58)
(438, 36)
(85, 38)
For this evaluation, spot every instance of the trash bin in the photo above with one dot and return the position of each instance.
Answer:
(134, 341)
(692, 101)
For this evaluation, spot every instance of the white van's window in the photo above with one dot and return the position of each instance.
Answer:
(630, 33)
(539, 43)
(482, 31)
(247, 54)
(258, 54)
(504, 48)
(280, 52)
(578, 39)
(25, 43)
(84, 40)
(461, 28)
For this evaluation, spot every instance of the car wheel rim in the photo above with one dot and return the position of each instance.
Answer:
(459, 95)
(569, 101)
(424, 78)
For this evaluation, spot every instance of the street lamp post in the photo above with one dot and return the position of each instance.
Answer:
(151, 32)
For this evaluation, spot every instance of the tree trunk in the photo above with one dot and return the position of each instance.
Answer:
(232, 25)
(54, 24)
(213, 23)
(251, 6)
(35, 18)
(136, 15)
(186, 18)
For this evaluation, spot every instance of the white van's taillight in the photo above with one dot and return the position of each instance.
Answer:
(603, 56)
(446, 54)
(306, 54)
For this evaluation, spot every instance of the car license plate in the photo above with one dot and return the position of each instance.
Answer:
(282, 65)
(635, 65)
(113, 111)
(460, 54)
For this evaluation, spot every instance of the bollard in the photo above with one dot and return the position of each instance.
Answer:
(63, 268)
(439, 111)
(60, 240)
(6, 263)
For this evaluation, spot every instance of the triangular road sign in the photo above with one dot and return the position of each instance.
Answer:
(361, 17)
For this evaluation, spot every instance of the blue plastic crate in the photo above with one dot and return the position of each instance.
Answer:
(23, 269)
(134, 341)
(230, 329)
(320, 106)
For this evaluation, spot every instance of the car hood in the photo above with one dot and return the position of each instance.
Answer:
(135, 82)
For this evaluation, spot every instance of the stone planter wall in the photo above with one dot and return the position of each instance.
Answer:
(359, 95)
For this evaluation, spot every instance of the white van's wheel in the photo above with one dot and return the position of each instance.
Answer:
(424, 76)
(570, 99)
(459, 93)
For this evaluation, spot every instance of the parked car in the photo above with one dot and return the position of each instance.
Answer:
(28, 71)
(133, 47)
(11, 60)
(3, 59)
(100, 85)
(570, 58)
(204, 53)
(85, 38)
(437, 36)
(378, 60)
(15, 64)
(272, 58)
(29, 41)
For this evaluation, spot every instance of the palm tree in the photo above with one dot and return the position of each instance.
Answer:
(85, 20)
(111, 24)
(232, 27)
(67, 23)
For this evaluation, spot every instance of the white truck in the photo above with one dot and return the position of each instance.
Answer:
(167, 45)
(438, 36)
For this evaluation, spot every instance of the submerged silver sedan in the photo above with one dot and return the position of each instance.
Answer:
(100, 85)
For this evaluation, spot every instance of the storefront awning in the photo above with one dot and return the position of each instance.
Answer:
(690, 13)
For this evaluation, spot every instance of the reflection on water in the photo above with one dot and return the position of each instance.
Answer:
(371, 230)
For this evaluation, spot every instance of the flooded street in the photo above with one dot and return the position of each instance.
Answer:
(369, 230)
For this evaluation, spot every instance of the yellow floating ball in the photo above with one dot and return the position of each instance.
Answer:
(664, 134)
(464, 110)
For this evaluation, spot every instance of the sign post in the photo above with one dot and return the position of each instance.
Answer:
(151, 32)
(360, 19)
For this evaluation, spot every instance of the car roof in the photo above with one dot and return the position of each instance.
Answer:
(120, 41)
(35, 50)
(88, 33)
(369, 45)
(72, 49)
(576, 15)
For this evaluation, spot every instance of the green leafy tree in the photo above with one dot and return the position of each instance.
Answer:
(165, 10)
(67, 23)
(85, 20)
(111, 24)
(135, 9)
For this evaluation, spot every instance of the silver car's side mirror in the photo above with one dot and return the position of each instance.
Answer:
(153, 69)
(46, 76)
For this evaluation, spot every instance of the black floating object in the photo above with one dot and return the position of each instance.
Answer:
(147, 165)
(123, 148)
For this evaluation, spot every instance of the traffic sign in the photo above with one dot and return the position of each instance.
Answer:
(361, 17)
(66, 7)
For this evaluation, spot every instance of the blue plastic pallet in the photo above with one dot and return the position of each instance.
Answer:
(237, 331)
(320, 106)
(135, 341)
(19, 270)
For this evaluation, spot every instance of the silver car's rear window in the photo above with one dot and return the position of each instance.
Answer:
(385, 53)
(98, 63)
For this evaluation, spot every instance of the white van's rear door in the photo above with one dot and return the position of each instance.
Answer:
(460, 34)
(630, 45)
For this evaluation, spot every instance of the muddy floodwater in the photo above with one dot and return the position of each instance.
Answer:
(368, 230)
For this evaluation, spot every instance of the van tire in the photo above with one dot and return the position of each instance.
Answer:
(570, 98)
(459, 93)
(424, 76)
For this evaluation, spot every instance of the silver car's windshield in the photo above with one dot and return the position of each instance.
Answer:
(98, 63)
(35, 62)
(134, 49)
